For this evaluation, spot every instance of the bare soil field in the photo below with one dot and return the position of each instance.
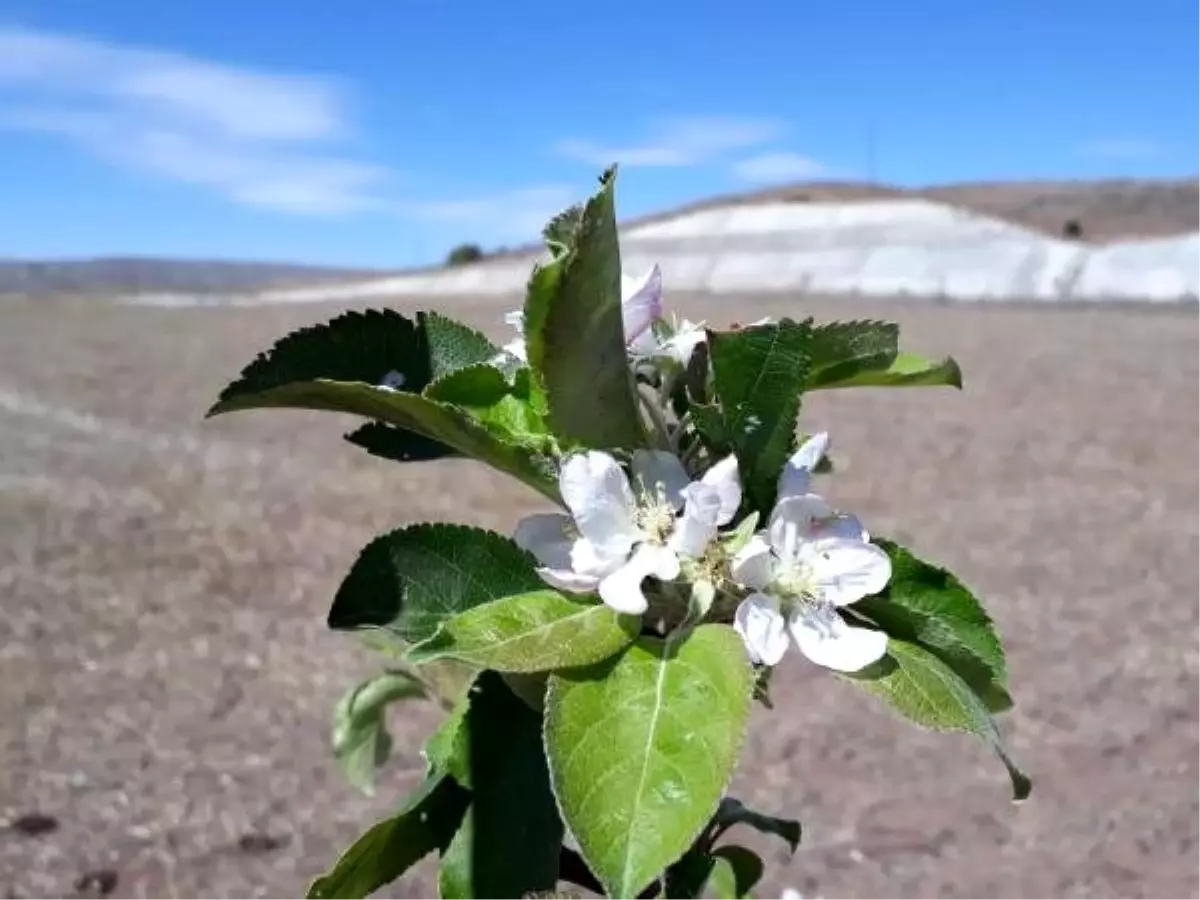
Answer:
(166, 678)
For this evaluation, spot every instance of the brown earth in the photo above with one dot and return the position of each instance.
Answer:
(166, 678)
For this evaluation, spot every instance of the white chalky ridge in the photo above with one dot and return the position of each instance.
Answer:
(880, 248)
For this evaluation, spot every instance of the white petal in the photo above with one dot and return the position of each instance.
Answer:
(795, 518)
(849, 570)
(517, 348)
(515, 318)
(728, 483)
(840, 525)
(762, 627)
(652, 468)
(825, 638)
(751, 566)
(597, 493)
(641, 302)
(644, 345)
(683, 343)
(566, 580)
(588, 559)
(765, 320)
(697, 527)
(622, 590)
(797, 471)
(547, 536)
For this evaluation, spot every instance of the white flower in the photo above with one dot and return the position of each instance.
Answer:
(641, 306)
(616, 535)
(810, 561)
(684, 339)
(392, 381)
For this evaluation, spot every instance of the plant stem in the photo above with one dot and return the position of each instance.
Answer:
(656, 418)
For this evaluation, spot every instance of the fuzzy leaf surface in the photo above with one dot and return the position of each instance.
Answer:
(641, 749)
(533, 632)
(924, 689)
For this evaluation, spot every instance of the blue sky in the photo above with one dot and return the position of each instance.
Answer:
(368, 133)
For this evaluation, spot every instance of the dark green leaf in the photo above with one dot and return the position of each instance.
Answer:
(509, 841)
(574, 330)
(733, 812)
(920, 686)
(642, 747)
(843, 350)
(453, 345)
(759, 374)
(533, 632)
(926, 605)
(427, 823)
(726, 873)
(411, 580)
(361, 742)
(389, 442)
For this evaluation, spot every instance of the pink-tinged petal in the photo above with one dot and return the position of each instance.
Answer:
(762, 628)
(548, 537)
(641, 302)
(652, 468)
(622, 590)
(597, 493)
(794, 519)
(797, 471)
(751, 566)
(848, 570)
(825, 638)
(725, 479)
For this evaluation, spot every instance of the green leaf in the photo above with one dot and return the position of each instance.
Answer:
(843, 350)
(448, 749)
(759, 374)
(453, 426)
(642, 747)
(733, 812)
(361, 742)
(509, 841)
(926, 605)
(453, 345)
(508, 409)
(399, 444)
(728, 873)
(427, 823)
(574, 330)
(532, 632)
(411, 580)
(906, 370)
(920, 686)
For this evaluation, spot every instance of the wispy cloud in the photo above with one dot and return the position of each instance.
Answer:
(1124, 148)
(768, 168)
(514, 215)
(260, 138)
(678, 141)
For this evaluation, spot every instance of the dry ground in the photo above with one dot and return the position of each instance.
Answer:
(166, 678)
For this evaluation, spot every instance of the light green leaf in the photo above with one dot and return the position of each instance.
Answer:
(361, 742)
(427, 823)
(906, 370)
(736, 540)
(759, 374)
(509, 841)
(508, 409)
(532, 632)
(733, 812)
(411, 580)
(843, 350)
(574, 331)
(448, 748)
(920, 686)
(642, 747)
(926, 605)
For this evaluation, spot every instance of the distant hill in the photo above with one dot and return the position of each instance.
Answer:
(146, 275)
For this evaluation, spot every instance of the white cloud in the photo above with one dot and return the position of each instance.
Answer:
(515, 215)
(678, 141)
(260, 138)
(776, 167)
(1123, 148)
